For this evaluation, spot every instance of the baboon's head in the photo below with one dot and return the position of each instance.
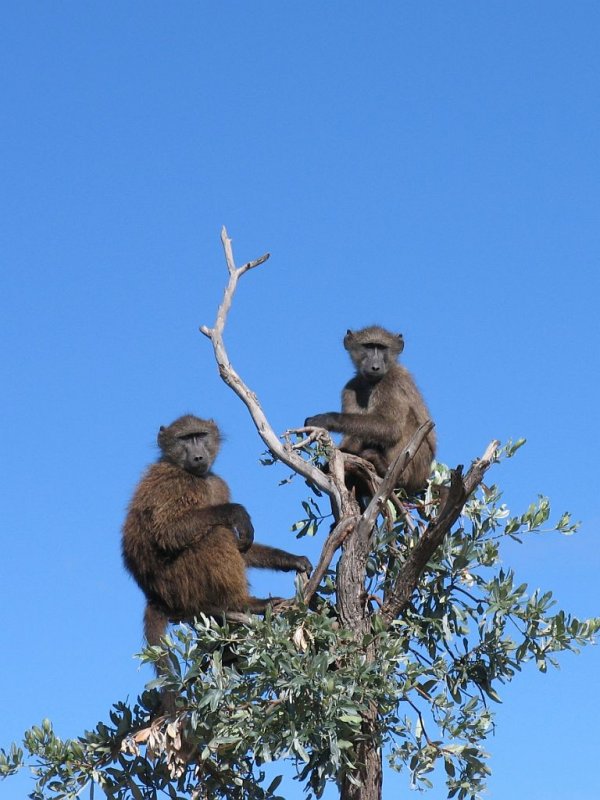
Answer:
(190, 443)
(373, 350)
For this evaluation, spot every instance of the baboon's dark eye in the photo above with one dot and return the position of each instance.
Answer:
(190, 437)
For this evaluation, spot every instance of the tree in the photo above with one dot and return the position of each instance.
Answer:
(398, 649)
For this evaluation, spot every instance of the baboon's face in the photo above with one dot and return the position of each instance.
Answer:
(372, 360)
(192, 452)
(190, 443)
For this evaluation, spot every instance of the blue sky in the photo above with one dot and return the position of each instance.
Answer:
(431, 167)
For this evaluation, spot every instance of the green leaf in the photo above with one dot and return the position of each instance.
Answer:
(351, 719)
(274, 784)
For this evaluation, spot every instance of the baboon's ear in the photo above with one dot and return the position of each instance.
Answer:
(400, 342)
(348, 338)
(161, 429)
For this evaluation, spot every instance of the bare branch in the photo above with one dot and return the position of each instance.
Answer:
(392, 478)
(404, 513)
(314, 435)
(416, 561)
(367, 473)
(303, 443)
(229, 257)
(335, 539)
(364, 470)
(286, 454)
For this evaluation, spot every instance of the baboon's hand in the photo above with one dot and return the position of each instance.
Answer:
(326, 421)
(303, 565)
(242, 526)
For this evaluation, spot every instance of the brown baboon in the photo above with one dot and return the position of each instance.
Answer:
(381, 407)
(184, 542)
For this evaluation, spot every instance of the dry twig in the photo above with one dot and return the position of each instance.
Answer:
(285, 454)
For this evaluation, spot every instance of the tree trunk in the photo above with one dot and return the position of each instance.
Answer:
(370, 768)
(354, 616)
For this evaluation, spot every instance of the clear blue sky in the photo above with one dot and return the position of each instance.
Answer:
(432, 167)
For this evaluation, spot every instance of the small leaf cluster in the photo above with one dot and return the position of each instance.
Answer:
(309, 525)
(11, 761)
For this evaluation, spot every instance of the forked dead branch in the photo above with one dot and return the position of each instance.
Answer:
(351, 526)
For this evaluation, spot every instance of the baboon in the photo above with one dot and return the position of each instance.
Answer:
(381, 407)
(186, 545)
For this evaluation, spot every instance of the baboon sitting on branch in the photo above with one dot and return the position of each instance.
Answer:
(184, 542)
(381, 407)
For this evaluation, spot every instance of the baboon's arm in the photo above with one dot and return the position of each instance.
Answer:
(189, 528)
(262, 556)
(373, 427)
